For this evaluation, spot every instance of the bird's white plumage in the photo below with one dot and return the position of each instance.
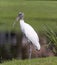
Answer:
(30, 33)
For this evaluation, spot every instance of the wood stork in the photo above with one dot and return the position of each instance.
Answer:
(29, 32)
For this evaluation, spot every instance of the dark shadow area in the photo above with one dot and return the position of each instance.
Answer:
(15, 45)
(8, 43)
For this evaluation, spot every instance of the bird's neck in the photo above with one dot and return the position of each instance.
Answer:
(21, 21)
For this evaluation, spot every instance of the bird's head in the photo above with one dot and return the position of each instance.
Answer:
(20, 16)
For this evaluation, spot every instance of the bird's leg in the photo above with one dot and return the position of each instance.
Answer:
(30, 51)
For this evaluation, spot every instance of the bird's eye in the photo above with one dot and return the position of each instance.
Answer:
(19, 14)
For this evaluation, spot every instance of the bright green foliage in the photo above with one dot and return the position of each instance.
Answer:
(39, 61)
(52, 38)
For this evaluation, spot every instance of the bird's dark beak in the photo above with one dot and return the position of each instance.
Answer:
(17, 19)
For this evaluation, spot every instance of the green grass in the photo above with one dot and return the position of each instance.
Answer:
(36, 13)
(39, 61)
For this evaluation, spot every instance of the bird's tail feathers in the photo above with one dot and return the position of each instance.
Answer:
(37, 46)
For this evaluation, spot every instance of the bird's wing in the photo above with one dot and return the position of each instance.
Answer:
(31, 34)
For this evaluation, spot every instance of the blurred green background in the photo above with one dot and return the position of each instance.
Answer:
(37, 13)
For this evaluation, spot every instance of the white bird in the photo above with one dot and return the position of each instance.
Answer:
(29, 32)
